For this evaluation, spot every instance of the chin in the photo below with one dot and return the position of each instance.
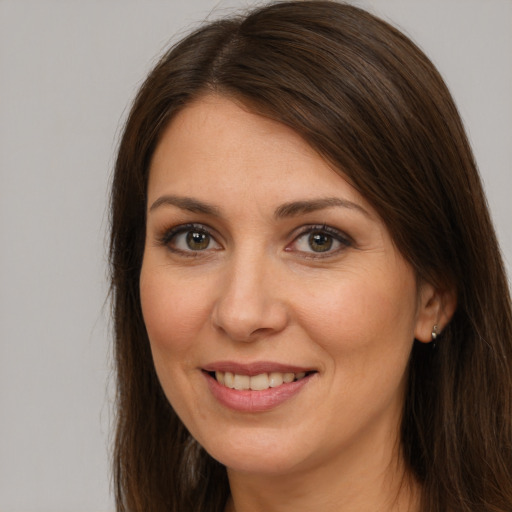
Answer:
(270, 464)
(258, 452)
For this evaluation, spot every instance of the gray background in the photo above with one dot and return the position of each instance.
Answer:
(68, 69)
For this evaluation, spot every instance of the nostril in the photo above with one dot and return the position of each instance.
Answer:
(244, 312)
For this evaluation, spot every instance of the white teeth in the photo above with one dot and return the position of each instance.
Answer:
(275, 379)
(256, 382)
(229, 380)
(288, 377)
(259, 382)
(242, 381)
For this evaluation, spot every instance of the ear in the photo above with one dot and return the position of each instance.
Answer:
(435, 308)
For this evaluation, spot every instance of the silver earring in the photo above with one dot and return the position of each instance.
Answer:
(434, 332)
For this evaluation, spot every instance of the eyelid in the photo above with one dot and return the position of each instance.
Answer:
(338, 235)
(168, 234)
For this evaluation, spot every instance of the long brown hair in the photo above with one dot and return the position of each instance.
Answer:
(372, 104)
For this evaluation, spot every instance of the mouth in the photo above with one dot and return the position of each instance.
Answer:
(256, 387)
(259, 382)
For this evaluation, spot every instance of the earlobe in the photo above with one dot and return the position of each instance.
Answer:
(435, 310)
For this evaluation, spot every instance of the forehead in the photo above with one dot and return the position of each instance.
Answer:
(217, 145)
(214, 129)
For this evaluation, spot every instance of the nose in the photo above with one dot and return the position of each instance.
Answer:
(250, 303)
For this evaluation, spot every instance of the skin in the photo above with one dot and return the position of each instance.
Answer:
(260, 291)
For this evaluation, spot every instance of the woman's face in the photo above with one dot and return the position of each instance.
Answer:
(280, 314)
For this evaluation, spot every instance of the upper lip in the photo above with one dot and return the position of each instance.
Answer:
(254, 368)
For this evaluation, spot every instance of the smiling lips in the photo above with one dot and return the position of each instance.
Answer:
(255, 388)
(258, 382)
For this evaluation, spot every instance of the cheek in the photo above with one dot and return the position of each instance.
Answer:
(173, 311)
(364, 317)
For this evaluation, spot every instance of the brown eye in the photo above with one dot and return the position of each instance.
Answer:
(320, 242)
(189, 238)
(197, 240)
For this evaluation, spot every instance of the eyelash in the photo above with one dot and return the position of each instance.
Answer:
(169, 235)
(333, 234)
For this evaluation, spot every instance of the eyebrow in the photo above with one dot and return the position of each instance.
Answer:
(302, 207)
(291, 209)
(186, 203)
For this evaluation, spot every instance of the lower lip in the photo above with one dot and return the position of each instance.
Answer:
(255, 401)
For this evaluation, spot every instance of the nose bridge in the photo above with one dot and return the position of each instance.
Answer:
(248, 306)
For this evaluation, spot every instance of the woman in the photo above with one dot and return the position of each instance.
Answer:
(310, 308)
